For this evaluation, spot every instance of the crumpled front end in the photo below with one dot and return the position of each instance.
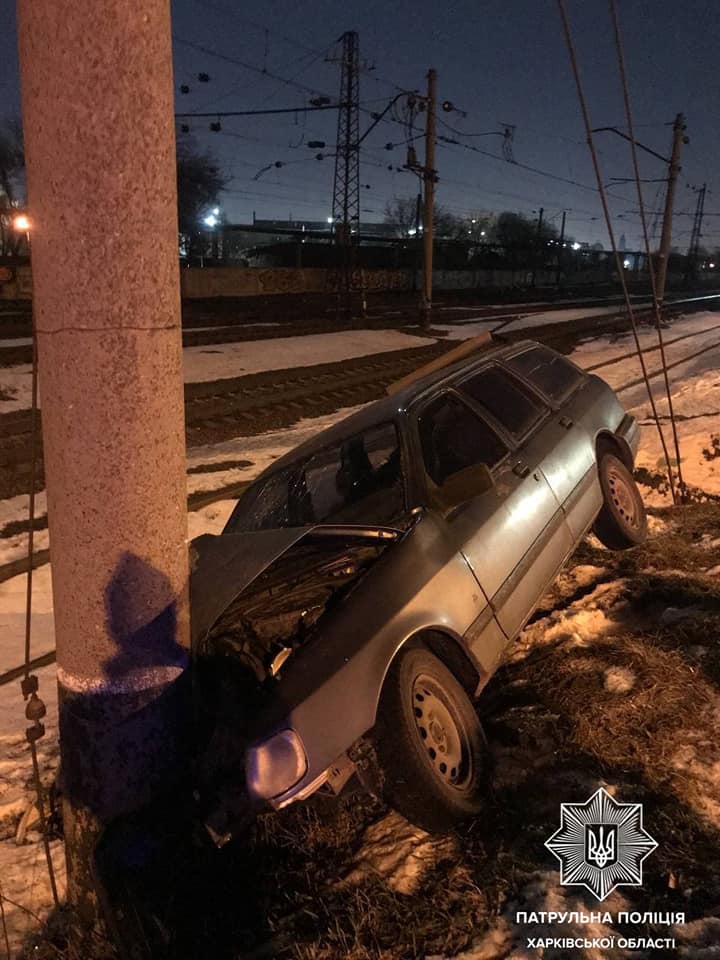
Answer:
(247, 757)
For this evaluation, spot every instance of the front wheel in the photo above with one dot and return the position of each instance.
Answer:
(430, 745)
(622, 521)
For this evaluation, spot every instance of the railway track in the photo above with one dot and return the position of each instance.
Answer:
(251, 403)
(203, 329)
(221, 410)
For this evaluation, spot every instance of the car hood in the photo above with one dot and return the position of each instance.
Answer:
(223, 565)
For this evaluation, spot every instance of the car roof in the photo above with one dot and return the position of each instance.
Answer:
(388, 408)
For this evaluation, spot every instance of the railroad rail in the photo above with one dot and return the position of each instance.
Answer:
(256, 403)
(220, 408)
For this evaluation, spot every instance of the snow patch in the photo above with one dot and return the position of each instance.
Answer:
(507, 940)
(618, 680)
(26, 887)
(398, 852)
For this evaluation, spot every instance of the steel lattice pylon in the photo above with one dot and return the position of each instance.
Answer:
(346, 186)
(694, 248)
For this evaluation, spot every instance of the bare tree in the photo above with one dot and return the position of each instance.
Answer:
(12, 177)
(516, 229)
(401, 213)
(199, 185)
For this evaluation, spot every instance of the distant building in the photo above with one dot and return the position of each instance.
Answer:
(320, 226)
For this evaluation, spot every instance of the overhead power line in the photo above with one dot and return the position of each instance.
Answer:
(244, 64)
(530, 169)
(256, 113)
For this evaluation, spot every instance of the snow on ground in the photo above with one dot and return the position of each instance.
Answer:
(25, 885)
(255, 453)
(24, 882)
(397, 852)
(259, 451)
(12, 618)
(223, 361)
(16, 388)
(695, 388)
(210, 519)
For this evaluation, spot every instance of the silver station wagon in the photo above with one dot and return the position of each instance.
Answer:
(366, 585)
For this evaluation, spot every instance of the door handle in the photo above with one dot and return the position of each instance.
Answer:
(521, 469)
(566, 422)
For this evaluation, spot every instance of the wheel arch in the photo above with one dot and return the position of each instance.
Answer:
(607, 442)
(449, 649)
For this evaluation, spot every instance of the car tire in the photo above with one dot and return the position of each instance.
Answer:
(429, 743)
(622, 521)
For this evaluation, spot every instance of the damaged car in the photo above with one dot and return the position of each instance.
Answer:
(367, 584)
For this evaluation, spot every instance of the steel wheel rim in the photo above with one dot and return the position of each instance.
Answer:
(442, 734)
(621, 493)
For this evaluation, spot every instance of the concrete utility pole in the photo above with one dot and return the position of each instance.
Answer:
(97, 95)
(696, 235)
(674, 169)
(538, 242)
(429, 178)
(561, 247)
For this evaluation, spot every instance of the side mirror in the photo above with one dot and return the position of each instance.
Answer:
(464, 486)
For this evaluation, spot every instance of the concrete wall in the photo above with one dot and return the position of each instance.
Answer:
(250, 282)
(196, 283)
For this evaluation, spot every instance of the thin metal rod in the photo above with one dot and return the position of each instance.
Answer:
(611, 234)
(632, 140)
(43, 824)
(28, 598)
(4, 923)
(646, 238)
(31, 505)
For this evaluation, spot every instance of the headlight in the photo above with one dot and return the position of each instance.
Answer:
(274, 766)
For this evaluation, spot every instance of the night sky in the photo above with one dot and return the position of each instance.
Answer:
(502, 61)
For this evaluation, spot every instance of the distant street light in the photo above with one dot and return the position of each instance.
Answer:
(21, 223)
(211, 220)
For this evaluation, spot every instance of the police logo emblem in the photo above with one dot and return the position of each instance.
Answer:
(601, 844)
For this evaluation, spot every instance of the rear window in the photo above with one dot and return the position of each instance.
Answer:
(453, 437)
(551, 373)
(357, 481)
(505, 398)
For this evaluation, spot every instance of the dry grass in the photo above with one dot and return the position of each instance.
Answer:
(557, 730)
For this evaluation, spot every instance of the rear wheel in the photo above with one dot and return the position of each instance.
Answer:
(622, 522)
(429, 742)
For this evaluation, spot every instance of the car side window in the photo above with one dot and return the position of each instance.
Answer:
(357, 481)
(505, 399)
(453, 437)
(550, 372)
(265, 505)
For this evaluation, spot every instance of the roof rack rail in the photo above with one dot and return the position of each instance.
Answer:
(465, 349)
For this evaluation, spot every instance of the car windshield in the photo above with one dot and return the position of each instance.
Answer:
(358, 481)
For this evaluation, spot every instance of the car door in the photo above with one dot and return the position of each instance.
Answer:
(512, 533)
(569, 460)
